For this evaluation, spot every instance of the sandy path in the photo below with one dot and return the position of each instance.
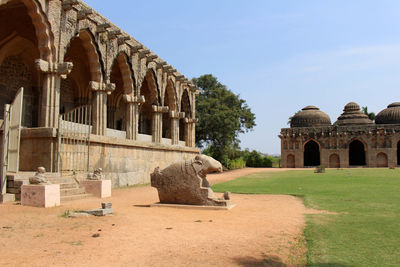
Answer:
(261, 230)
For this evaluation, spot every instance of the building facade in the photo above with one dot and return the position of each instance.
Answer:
(93, 95)
(352, 141)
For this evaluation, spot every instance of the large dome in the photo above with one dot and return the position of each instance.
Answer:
(310, 116)
(390, 115)
(352, 115)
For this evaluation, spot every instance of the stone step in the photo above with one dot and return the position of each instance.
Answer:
(74, 197)
(68, 185)
(26, 175)
(72, 191)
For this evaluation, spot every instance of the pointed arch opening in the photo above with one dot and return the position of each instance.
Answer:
(121, 76)
(75, 89)
(357, 153)
(398, 153)
(185, 107)
(311, 154)
(149, 90)
(19, 48)
(169, 101)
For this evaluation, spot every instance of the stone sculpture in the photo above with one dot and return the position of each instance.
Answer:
(185, 182)
(39, 177)
(96, 175)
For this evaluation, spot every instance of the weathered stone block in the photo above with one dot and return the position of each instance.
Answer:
(40, 195)
(99, 188)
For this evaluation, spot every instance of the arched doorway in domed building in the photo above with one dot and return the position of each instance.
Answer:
(311, 154)
(357, 153)
(398, 153)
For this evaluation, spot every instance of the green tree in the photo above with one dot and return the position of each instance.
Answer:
(371, 115)
(222, 116)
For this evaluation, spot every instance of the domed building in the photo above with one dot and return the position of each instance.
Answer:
(353, 140)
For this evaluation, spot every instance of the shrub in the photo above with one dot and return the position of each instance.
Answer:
(238, 163)
(320, 169)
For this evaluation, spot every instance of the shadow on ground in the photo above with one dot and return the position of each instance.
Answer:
(253, 262)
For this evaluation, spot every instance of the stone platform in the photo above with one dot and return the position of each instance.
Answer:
(44, 196)
(98, 188)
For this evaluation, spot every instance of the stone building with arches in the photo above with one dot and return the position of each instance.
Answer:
(138, 109)
(352, 141)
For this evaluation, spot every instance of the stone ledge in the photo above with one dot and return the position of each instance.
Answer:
(40, 132)
(132, 143)
(194, 207)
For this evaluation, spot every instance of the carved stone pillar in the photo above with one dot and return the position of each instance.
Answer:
(50, 100)
(156, 122)
(99, 113)
(132, 115)
(175, 117)
(190, 132)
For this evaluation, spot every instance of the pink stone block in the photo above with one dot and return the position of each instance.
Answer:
(40, 195)
(99, 188)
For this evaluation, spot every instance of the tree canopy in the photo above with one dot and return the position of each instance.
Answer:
(222, 116)
(371, 115)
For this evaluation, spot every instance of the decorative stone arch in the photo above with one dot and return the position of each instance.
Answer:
(80, 82)
(19, 70)
(334, 161)
(290, 161)
(148, 90)
(42, 27)
(357, 152)
(312, 154)
(381, 160)
(171, 95)
(170, 100)
(122, 60)
(96, 70)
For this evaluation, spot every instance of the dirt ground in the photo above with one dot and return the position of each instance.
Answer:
(262, 230)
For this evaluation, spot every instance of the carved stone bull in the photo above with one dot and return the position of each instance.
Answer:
(185, 182)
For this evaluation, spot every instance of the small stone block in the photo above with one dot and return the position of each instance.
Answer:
(7, 198)
(106, 205)
(40, 195)
(100, 212)
(99, 188)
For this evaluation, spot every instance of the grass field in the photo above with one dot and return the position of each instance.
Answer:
(366, 229)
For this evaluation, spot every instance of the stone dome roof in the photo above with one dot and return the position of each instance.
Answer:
(390, 115)
(352, 115)
(310, 116)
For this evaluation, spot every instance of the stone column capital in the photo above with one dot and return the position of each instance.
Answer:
(191, 120)
(133, 99)
(62, 69)
(159, 109)
(176, 115)
(108, 88)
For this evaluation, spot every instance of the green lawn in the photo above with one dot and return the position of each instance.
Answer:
(366, 230)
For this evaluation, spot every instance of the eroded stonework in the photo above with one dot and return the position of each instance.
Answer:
(185, 182)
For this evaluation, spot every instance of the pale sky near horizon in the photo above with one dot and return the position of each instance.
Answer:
(280, 56)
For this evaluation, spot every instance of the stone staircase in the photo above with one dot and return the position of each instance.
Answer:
(69, 187)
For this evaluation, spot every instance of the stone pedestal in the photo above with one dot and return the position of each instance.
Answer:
(40, 195)
(99, 188)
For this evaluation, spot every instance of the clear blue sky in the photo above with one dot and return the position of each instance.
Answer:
(278, 55)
